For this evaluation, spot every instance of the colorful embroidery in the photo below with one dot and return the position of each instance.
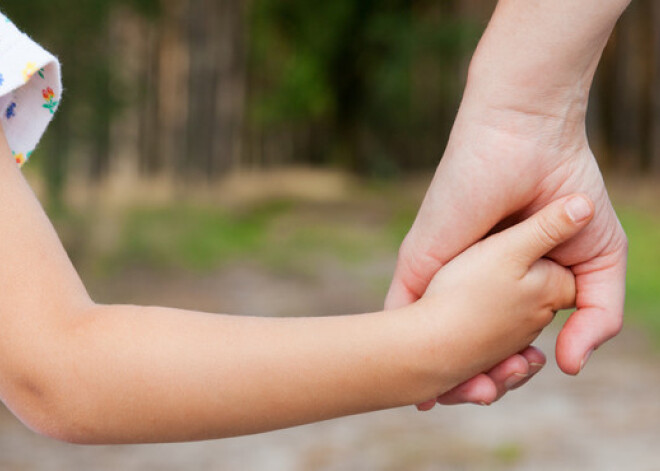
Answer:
(21, 158)
(2, 80)
(49, 96)
(29, 70)
(41, 73)
(10, 112)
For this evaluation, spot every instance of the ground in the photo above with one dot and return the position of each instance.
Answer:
(604, 419)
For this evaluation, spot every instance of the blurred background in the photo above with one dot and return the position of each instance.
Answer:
(266, 157)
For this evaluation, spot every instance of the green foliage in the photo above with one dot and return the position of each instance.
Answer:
(292, 42)
(349, 66)
(191, 237)
(284, 235)
(311, 244)
(508, 453)
(643, 280)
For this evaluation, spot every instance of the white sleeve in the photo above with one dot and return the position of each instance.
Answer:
(30, 89)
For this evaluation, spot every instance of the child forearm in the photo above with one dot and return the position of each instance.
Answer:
(88, 373)
(121, 374)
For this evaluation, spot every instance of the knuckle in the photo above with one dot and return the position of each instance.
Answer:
(418, 265)
(548, 232)
(554, 286)
(614, 326)
(564, 283)
(545, 317)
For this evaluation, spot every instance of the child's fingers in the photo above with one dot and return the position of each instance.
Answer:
(557, 281)
(550, 227)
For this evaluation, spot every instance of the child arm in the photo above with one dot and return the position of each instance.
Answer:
(89, 373)
(83, 372)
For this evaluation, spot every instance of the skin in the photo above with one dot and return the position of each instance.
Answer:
(84, 372)
(519, 143)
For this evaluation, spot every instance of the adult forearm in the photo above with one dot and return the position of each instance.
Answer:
(541, 55)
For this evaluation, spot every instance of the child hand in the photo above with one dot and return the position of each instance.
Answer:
(499, 294)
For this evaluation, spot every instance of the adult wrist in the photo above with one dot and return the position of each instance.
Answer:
(540, 57)
(528, 89)
(526, 101)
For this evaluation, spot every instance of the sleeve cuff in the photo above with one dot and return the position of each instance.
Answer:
(30, 89)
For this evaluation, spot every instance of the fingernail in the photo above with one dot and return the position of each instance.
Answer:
(514, 379)
(578, 209)
(482, 403)
(586, 359)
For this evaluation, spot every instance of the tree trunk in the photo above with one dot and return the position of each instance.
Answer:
(654, 104)
(202, 23)
(628, 91)
(171, 87)
(231, 84)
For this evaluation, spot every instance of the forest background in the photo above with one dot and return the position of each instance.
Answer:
(267, 157)
(193, 89)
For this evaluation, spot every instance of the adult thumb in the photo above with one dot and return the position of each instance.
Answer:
(553, 225)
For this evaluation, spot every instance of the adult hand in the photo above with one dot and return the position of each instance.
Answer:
(496, 297)
(518, 143)
(500, 167)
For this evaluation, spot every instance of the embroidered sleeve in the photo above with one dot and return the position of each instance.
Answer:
(30, 89)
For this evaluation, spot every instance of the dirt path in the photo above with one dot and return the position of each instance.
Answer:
(607, 419)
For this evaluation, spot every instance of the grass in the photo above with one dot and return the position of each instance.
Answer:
(282, 235)
(508, 453)
(192, 237)
(643, 280)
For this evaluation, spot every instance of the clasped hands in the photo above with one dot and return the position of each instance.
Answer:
(502, 166)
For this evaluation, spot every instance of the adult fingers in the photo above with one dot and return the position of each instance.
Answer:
(486, 388)
(509, 373)
(489, 387)
(426, 406)
(480, 389)
(599, 317)
(536, 360)
(517, 370)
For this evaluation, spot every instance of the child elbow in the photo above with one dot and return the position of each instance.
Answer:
(51, 416)
(56, 428)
